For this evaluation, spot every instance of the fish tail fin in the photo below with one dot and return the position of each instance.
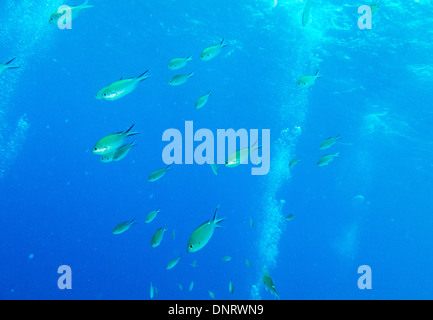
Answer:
(6, 63)
(215, 220)
(253, 147)
(143, 76)
(223, 44)
(317, 74)
(168, 167)
(337, 154)
(189, 58)
(129, 133)
(209, 93)
(8, 66)
(86, 5)
(338, 137)
(191, 74)
(132, 134)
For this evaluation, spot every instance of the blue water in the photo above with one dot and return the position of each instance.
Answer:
(371, 206)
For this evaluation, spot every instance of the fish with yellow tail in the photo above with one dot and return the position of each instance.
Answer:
(203, 233)
(121, 88)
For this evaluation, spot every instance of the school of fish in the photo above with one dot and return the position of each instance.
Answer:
(113, 147)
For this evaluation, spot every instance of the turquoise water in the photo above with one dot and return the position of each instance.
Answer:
(370, 206)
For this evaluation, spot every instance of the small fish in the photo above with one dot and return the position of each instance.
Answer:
(251, 223)
(157, 237)
(151, 291)
(118, 154)
(327, 143)
(152, 215)
(191, 286)
(178, 63)
(248, 263)
(306, 81)
(240, 156)
(290, 217)
(293, 162)
(203, 233)
(123, 226)
(120, 88)
(158, 174)
(55, 16)
(112, 142)
(173, 263)
(5, 66)
(374, 6)
(173, 234)
(211, 294)
(211, 52)
(226, 258)
(180, 287)
(231, 286)
(179, 79)
(202, 100)
(306, 13)
(326, 159)
(194, 264)
(269, 284)
(213, 166)
(156, 292)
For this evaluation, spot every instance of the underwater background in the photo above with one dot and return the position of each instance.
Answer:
(371, 206)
